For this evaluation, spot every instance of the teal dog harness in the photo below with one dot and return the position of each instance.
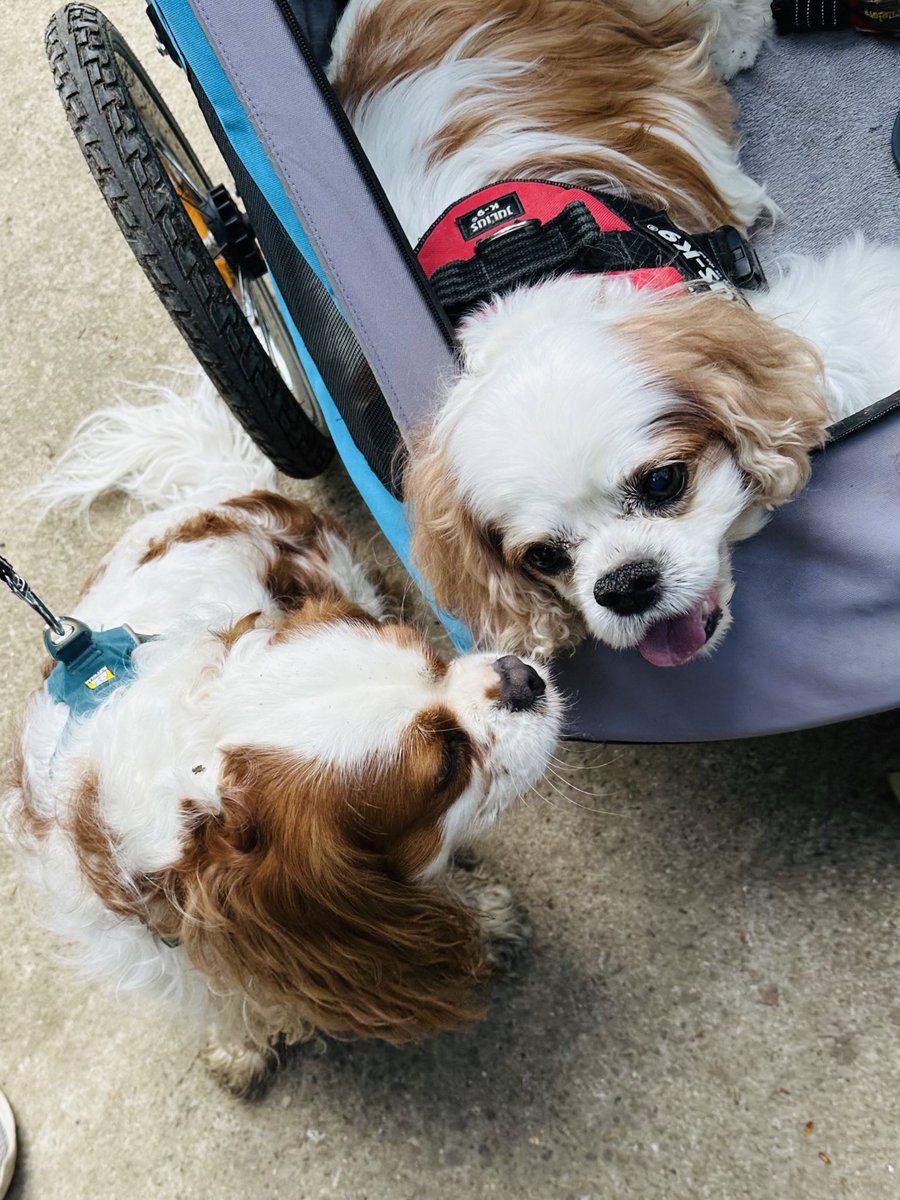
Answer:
(91, 664)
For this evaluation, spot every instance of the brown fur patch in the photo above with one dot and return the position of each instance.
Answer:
(15, 772)
(95, 846)
(25, 816)
(298, 565)
(322, 609)
(291, 518)
(596, 70)
(743, 380)
(151, 898)
(293, 895)
(204, 525)
(235, 632)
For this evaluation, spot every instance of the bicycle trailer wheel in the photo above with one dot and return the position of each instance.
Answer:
(195, 245)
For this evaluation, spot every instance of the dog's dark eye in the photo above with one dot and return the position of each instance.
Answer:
(455, 753)
(662, 485)
(548, 557)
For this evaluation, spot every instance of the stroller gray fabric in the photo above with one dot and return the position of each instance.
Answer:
(816, 636)
(379, 294)
(816, 115)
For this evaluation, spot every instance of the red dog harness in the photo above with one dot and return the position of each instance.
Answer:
(519, 232)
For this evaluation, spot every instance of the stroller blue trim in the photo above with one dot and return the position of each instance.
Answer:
(195, 52)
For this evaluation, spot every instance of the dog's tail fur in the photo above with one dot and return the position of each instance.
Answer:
(183, 444)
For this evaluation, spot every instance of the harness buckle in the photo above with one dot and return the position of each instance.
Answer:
(740, 260)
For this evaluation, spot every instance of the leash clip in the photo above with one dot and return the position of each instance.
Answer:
(71, 643)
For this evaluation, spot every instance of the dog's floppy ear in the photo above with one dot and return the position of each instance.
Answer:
(463, 564)
(760, 387)
(282, 905)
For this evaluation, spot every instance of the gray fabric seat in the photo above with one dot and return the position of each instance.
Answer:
(816, 114)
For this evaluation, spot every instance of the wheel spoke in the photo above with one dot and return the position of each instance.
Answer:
(179, 176)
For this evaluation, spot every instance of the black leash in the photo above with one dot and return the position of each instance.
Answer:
(22, 588)
(92, 663)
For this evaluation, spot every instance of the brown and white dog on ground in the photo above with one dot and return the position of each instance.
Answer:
(261, 825)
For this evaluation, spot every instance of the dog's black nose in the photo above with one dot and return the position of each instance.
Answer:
(520, 685)
(629, 589)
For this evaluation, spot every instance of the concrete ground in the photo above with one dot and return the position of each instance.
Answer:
(712, 1005)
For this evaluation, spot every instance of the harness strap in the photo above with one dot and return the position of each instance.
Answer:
(865, 416)
(541, 230)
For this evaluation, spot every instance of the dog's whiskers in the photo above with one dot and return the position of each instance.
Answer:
(585, 807)
(566, 766)
(581, 791)
(588, 765)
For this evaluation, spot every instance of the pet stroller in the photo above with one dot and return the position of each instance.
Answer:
(310, 313)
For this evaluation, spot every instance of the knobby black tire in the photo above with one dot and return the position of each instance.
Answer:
(82, 47)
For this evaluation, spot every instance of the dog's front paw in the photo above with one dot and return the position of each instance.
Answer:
(504, 925)
(243, 1068)
(743, 29)
(728, 59)
(509, 933)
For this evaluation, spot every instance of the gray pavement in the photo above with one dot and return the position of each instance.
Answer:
(711, 1008)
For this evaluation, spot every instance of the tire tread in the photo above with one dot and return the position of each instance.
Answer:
(120, 155)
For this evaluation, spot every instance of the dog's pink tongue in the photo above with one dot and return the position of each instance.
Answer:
(675, 641)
